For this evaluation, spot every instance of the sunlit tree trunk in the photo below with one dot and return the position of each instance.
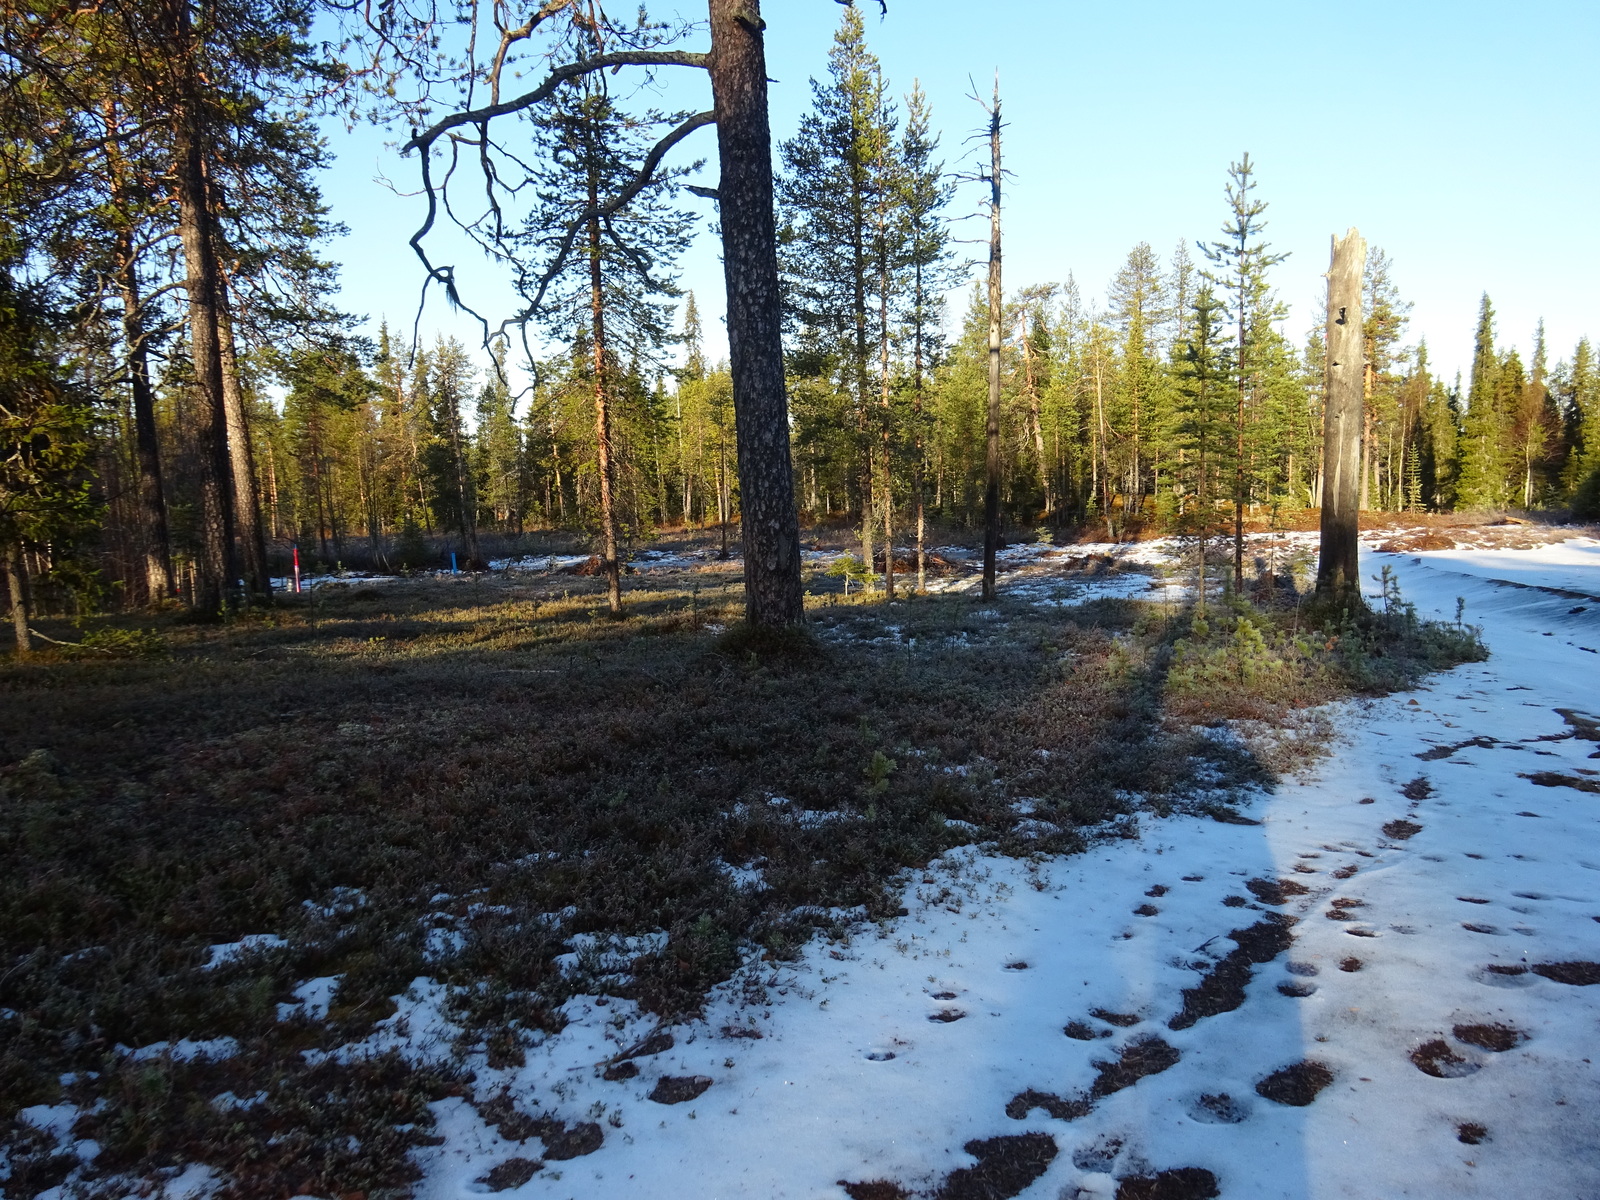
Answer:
(605, 466)
(218, 572)
(1338, 568)
(241, 463)
(17, 586)
(991, 493)
(770, 526)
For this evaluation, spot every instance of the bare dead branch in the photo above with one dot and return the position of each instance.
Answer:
(510, 37)
(646, 171)
(558, 76)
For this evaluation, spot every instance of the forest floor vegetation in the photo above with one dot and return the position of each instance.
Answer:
(487, 782)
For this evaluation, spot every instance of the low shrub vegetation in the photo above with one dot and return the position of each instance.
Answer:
(454, 779)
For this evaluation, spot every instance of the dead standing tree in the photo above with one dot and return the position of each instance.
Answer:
(1338, 568)
(736, 65)
(991, 489)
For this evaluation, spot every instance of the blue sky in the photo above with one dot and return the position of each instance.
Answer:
(1460, 137)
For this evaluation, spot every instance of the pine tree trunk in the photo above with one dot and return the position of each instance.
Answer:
(156, 541)
(1364, 504)
(918, 451)
(218, 571)
(151, 506)
(1238, 435)
(771, 526)
(887, 413)
(602, 416)
(991, 491)
(17, 585)
(466, 493)
(1338, 568)
(241, 462)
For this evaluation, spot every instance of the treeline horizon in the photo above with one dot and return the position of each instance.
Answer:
(147, 329)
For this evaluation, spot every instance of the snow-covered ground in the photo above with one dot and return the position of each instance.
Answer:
(1568, 566)
(1435, 881)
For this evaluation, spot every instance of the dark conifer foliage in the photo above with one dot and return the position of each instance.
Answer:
(163, 220)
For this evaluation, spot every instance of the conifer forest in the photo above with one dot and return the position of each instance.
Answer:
(546, 735)
(1190, 390)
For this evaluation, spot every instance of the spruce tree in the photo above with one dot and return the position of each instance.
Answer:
(1203, 373)
(1481, 481)
(1138, 300)
(46, 417)
(450, 454)
(1241, 261)
(618, 288)
(923, 197)
(839, 268)
(498, 449)
(1384, 319)
(1181, 289)
(1583, 405)
(1534, 425)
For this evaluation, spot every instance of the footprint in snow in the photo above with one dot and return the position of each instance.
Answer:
(1120, 1020)
(1275, 892)
(1504, 975)
(1006, 1166)
(1082, 1031)
(512, 1173)
(1574, 974)
(1438, 1059)
(1180, 1183)
(1296, 1085)
(1341, 909)
(677, 1089)
(1100, 1155)
(1217, 1108)
(1493, 1036)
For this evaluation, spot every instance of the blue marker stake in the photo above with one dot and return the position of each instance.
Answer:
(453, 570)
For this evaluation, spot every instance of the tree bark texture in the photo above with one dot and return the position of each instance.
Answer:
(602, 418)
(991, 491)
(241, 463)
(466, 491)
(771, 524)
(17, 585)
(157, 544)
(218, 572)
(1338, 569)
(885, 404)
